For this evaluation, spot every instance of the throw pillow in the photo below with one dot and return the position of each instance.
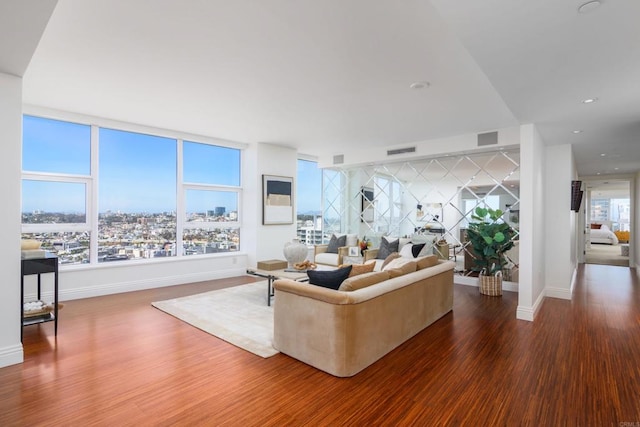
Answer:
(405, 252)
(416, 248)
(387, 248)
(390, 258)
(335, 243)
(331, 279)
(596, 226)
(357, 269)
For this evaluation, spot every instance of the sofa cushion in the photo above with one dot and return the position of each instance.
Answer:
(388, 259)
(387, 248)
(426, 261)
(357, 269)
(363, 280)
(331, 279)
(336, 242)
(408, 265)
(400, 267)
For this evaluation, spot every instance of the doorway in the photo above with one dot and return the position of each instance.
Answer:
(608, 222)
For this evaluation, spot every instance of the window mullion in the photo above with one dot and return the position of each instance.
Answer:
(180, 196)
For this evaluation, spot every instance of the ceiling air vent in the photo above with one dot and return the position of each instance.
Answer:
(489, 138)
(401, 151)
(338, 159)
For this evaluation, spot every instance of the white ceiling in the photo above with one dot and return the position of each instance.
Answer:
(321, 75)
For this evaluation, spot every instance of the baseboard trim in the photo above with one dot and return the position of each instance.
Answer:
(11, 355)
(529, 313)
(561, 293)
(139, 285)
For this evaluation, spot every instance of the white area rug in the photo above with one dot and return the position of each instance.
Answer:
(606, 254)
(238, 315)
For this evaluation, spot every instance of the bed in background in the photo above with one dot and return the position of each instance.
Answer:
(601, 233)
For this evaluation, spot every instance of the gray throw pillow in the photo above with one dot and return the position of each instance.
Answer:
(335, 243)
(387, 248)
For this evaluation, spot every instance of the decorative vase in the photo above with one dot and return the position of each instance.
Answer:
(491, 285)
(294, 252)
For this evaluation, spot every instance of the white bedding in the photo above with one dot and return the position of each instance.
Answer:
(603, 235)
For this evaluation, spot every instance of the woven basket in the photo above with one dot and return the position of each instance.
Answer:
(491, 285)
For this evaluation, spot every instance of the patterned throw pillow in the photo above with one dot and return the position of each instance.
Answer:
(331, 279)
(387, 248)
(335, 243)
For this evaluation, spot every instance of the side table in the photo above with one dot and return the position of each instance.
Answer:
(273, 275)
(46, 264)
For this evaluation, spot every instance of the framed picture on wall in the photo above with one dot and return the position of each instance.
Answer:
(277, 200)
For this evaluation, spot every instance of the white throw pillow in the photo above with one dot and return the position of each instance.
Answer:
(405, 252)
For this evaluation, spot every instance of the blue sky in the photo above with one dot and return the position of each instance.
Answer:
(137, 171)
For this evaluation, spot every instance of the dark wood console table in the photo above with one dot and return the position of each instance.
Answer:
(47, 264)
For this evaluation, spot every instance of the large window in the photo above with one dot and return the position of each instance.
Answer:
(93, 194)
(309, 202)
(211, 191)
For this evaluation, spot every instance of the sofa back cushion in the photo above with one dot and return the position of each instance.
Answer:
(331, 279)
(400, 267)
(427, 261)
(363, 280)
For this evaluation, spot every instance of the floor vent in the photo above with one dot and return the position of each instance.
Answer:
(401, 151)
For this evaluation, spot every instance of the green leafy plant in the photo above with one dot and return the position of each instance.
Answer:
(489, 239)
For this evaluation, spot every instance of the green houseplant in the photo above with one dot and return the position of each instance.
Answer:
(490, 239)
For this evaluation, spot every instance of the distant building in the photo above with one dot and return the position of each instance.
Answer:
(220, 210)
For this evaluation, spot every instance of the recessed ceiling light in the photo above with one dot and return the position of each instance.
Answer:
(603, 154)
(419, 85)
(589, 6)
(597, 173)
(616, 168)
(576, 131)
(589, 100)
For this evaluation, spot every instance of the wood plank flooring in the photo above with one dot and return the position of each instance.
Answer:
(118, 361)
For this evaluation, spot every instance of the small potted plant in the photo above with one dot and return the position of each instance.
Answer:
(490, 238)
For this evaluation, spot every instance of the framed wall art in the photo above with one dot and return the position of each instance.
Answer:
(277, 200)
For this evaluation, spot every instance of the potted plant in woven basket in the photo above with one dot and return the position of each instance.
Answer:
(490, 238)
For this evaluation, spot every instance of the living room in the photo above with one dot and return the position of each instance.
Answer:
(242, 74)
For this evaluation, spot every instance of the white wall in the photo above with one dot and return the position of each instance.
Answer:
(532, 241)
(432, 148)
(10, 165)
(269, 240)
(89, 281)
(634, 259)
(560, 221)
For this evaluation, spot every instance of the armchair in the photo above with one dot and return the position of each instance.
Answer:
(321, 256)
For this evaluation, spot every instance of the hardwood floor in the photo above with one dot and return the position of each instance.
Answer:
(119, 361)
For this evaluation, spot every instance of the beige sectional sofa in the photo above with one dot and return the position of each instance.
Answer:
(344, 331)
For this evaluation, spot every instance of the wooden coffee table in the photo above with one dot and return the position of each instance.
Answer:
(272, 275)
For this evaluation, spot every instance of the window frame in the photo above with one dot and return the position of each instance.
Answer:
(91, 184)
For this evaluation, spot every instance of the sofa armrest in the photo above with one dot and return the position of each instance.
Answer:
(370, 254)
(343, 251)
(308, 290)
